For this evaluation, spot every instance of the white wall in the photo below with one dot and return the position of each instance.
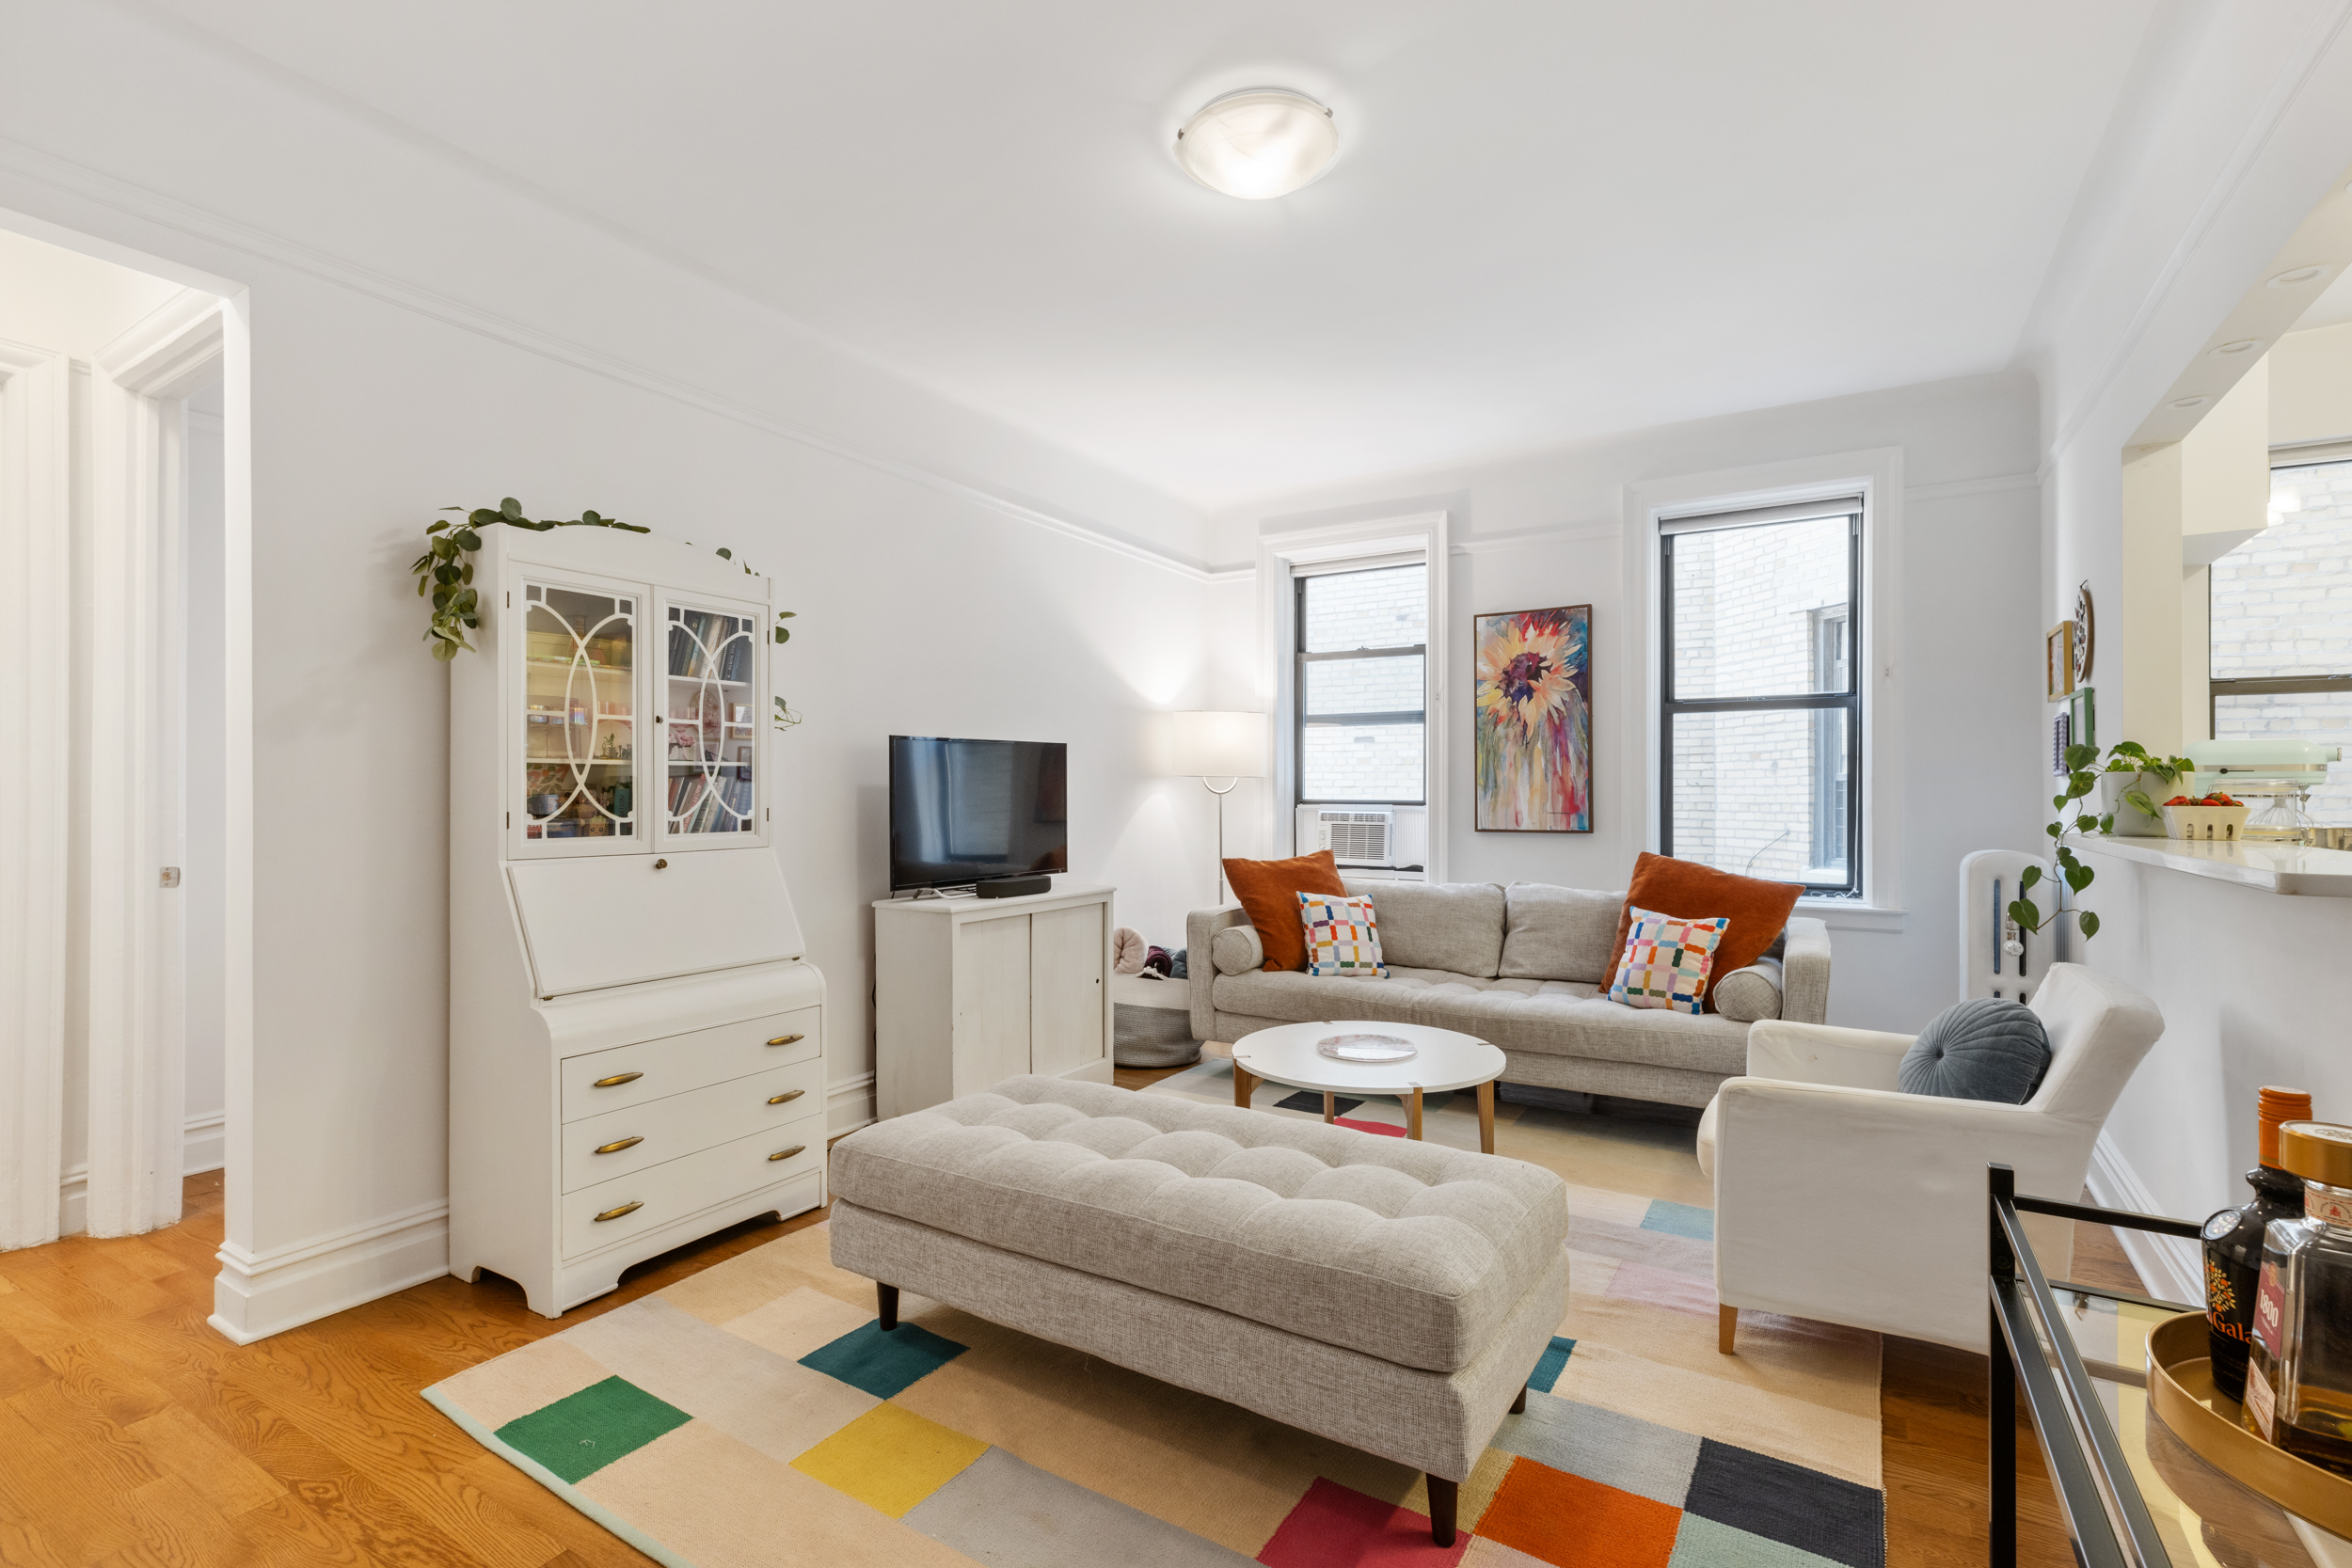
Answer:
(2235, 136)
(1546, 528)
(422, 336)
(2310, 385)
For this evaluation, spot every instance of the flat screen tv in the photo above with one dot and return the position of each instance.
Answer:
(973, 811)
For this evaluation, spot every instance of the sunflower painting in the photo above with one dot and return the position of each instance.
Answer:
(1534, 721)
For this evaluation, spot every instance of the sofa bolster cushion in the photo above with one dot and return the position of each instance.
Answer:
(1560, 933)
(1450, 925)
(1236, 950)
(1745, 996)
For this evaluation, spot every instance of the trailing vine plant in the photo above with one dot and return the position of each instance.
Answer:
(444, 573)
(2125, 756)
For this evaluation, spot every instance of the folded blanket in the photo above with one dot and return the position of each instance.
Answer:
(1127, 950)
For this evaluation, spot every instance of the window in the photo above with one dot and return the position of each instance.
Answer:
(2281, 634)
(1362, 642)
(1762, 716)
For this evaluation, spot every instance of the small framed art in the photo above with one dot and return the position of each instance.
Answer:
(2057, 661)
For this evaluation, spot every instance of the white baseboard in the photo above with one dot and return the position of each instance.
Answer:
(258, 1294)
(74, 1201)
(849, 1105)
(2172, 1266)
(206, 1145)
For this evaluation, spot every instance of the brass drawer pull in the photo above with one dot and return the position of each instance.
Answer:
(616, 1080)
(788, 1040)
(616, 1148)
(786, 1095)
(616, 1213)
(783, 1154)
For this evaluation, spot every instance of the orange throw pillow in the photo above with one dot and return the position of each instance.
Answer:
(1689, 891)
(1269, 889)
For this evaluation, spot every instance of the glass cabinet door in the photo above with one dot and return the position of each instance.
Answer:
(709, 702)
(579, 717)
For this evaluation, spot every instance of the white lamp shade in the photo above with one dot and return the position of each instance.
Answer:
(1218, 745)
(1258, 143)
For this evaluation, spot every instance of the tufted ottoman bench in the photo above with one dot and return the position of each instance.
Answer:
(1391, 1296)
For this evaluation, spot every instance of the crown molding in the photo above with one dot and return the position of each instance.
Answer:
(200, 223)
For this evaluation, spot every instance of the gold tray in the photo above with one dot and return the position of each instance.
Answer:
(2181, 1391)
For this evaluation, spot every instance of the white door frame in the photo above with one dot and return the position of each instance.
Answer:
(138, 805)
(36, 700)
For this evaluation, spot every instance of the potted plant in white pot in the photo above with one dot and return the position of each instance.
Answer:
(2133, 788)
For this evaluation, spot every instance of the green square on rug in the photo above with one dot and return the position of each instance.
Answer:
(580, 1434)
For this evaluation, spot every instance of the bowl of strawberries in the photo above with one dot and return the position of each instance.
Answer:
(2214, 818)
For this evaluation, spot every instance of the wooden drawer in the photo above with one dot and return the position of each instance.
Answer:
(685, 1123)
(676, 1189)
(658, 1069)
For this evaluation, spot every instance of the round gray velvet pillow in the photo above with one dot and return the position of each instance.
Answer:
(1985, 1048)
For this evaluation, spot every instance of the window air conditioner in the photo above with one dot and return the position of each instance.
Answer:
(1357, 837)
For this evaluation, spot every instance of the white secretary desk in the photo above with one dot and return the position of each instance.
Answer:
(637, 1044)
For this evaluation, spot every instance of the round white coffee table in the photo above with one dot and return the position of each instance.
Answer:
(1444, 1060)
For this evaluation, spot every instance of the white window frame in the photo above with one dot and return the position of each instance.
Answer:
(1877, 475)
(1280, 555)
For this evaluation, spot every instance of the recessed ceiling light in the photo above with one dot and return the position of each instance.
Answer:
(2189, 402)
(2301, 274)
(2228, 351)
(1258, 143)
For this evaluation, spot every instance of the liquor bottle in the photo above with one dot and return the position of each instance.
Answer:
(2233, 1241)
(2298, 1372)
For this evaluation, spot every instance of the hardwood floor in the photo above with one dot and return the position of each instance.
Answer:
(132, 1435)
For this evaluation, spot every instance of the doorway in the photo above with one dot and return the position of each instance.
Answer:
(115, 861)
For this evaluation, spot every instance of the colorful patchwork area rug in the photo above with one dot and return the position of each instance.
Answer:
(755, 1414)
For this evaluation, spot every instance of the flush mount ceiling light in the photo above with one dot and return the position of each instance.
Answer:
(1258, 143)
(2189, 402)
(2301, 274)
(2231, 351)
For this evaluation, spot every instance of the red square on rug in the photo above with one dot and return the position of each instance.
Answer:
(1337, 1526)
(1380, 1126)
(1577, 1523)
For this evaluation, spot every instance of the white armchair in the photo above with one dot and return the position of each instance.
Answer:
(1840, 1197)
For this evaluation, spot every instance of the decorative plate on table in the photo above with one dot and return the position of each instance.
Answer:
(1366, 1048)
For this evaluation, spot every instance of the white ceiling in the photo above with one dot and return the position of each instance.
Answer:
(1548, 220)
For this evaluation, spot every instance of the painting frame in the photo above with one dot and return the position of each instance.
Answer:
(1531, 721)
(2057, 663)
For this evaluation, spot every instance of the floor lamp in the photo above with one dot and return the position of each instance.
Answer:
(1213, 746)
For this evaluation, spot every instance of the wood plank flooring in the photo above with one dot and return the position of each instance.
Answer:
(132, 1435)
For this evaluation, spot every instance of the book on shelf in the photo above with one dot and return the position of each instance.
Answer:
(703, 643)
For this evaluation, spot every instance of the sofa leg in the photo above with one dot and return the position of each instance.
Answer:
(1443, 1495)
(886, 1303)
(1726, 1324)
(1519, 1406)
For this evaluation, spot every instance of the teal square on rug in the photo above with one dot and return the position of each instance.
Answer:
(883, 1365)
(580, 1434)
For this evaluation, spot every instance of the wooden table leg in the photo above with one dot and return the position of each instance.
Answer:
(1412, 1115)
(1243, 1083)
(1330, 1106)
(1487, 1117)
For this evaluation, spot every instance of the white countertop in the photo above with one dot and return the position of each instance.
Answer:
(2272, 868)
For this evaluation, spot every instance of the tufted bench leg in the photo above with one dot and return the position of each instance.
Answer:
(886, 1303)
(1443, 1496)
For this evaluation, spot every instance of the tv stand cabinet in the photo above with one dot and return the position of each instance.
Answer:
(969, 992)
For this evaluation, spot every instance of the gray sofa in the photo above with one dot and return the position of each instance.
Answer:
(1523, 967)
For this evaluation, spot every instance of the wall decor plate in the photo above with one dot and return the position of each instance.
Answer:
(1532, 721)
(2085, 630)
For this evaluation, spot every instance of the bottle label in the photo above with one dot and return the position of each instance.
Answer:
(2270, 1311)
(2262, 1407)
(2328, 1205)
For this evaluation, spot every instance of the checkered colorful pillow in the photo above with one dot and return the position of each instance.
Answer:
(1342, 938)
(1666, 961)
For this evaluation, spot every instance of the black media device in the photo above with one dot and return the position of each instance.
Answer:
(995, 813)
